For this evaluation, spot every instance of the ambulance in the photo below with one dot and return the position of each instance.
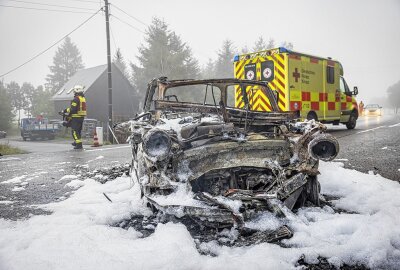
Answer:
(313, 86)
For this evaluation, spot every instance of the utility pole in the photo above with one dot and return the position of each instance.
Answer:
(110, 109)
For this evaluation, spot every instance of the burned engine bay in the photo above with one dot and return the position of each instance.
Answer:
(219, 162)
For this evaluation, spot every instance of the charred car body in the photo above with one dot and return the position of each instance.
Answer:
(196, 155)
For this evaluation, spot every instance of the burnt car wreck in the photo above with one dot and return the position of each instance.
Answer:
(197, 155)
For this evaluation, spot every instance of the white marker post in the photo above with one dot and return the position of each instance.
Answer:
(99, 132)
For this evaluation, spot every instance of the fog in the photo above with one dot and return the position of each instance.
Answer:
(363, 35)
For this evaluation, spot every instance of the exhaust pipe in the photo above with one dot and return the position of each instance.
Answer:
(323, 147)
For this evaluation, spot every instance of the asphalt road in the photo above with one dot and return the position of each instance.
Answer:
(30, 179)
(372, 147)
(35, 178)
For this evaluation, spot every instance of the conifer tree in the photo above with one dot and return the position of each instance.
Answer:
(66, 61)
(6, 114)
(119, 61)
(17, 98)
(287, 45)
(163, 54)
(42, 103)
(394, 96)
(224, 63)
(260, 45)
(28, 90)
(208, 71)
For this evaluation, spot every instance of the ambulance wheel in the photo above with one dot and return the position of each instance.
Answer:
(312, 116)
(352, 121)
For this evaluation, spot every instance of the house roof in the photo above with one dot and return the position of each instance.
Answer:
(84, 77)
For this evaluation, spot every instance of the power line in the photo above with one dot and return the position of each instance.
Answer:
(137, 29)
(112, 35)
(54, 44)
(87, 1)
(136, 19)
(45, 9)
(51, 5)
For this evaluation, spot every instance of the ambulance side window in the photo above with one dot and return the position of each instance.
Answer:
(342, 88)
(330, 75)
(230, 95)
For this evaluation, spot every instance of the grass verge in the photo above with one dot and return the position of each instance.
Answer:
(7, 149)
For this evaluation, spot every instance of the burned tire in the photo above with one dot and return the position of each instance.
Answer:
(352, 121)
(312, 116)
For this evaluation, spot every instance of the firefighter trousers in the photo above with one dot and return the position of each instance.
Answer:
(76, 126)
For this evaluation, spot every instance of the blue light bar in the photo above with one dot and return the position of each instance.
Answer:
(284, 50)
(236, 58)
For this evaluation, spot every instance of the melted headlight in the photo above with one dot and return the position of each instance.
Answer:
(324, 147)
(157, 144)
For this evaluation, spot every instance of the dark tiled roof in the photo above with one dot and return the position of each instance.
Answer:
(85, 77)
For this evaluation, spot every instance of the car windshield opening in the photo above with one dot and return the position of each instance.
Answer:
(207, 94)
(256, 96)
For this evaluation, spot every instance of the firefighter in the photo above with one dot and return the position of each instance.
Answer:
(77, 113)
(361, 107)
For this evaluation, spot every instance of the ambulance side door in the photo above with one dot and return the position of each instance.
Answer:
(312, 86)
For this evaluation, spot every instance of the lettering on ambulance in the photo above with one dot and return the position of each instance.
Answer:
(305, 75)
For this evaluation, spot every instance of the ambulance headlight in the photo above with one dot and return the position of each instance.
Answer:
(157, 144)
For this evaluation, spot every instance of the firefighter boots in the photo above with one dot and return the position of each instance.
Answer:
(78, 146)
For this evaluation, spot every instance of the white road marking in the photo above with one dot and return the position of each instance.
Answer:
(395, 125)
(370, 129)
(110, 148)
(6, 202)
(9, 159)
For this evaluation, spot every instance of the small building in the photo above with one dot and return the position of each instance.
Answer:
(95, 82)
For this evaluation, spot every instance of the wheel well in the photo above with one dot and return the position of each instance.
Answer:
(312, 115)
(355, 111)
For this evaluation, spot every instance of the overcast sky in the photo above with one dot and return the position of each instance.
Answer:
(364, 35)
